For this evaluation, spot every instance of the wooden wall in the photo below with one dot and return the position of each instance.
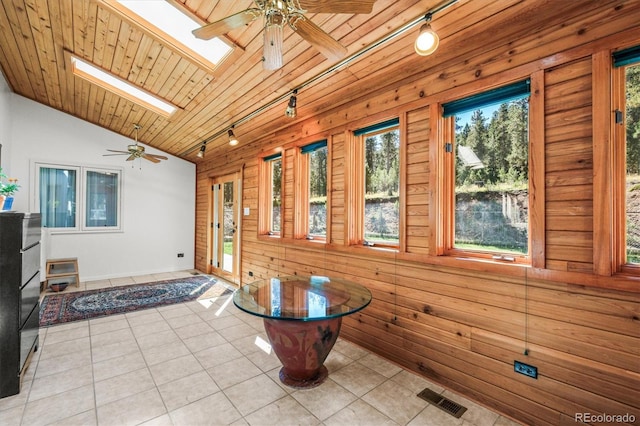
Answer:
(463, 323)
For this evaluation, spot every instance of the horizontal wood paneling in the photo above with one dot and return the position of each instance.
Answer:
(463, 326)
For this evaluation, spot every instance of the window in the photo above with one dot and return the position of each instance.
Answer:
(75, 198)
(313, 206)
(628, 120)
(102, 199)
(487, 173)
(271, 221)
(378, 191)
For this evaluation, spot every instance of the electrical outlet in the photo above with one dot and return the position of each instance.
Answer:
(180, 254)
(526, 369)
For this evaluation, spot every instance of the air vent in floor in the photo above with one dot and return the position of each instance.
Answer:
(442, 403)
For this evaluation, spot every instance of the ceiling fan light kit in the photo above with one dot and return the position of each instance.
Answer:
(137, 151)
(276, 14)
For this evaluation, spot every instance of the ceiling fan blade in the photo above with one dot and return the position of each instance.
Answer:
(150, 158)
(131, 157)
(121, 152)
(111, 155)
(337, 6)
(322, 41)
(225, 25)
(159, 157)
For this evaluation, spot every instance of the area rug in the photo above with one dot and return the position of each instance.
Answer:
(75, 306)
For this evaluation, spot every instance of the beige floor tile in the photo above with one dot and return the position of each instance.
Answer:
(214, 409)
(225, 322)
(174, 311)
(158, 339)
(380, 365)
(144, 316)
(115, 282)
(150, 328)
(141, 279)
(188, 319)
(123, 386)
(401, 408)
(88, 418)
(285, 411)
(233, 372)
(49, 366)
(325, 400)
(186, 390)
(163, 420)
(237, 332)
(114, 350)
(16, 401)
(57, 350)
(253, 394)
(204, 341)
(264, 361)
(197, 328)
(61, 382)
(118, 322)
(175, 369)
(58, 407)
(124, 336)
(357, 378)
(350, 350)
(11, 416)
(414, 382)
(248, 345)
(217, 355)
(158, 354)
(116, 366)
(359, 413)
(132, 410)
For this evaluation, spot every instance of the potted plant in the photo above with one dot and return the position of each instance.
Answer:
(7, 190)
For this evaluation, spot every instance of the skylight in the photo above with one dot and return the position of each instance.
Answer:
(120, 87)
(176, 24)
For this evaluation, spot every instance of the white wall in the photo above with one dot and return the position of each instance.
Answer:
(5, 123)
(158, 205)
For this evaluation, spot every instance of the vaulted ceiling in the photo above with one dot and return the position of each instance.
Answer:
(37, 35)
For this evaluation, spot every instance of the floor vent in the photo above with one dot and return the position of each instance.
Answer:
(195, 273)
(442, 403)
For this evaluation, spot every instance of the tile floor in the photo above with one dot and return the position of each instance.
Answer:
(197, 363)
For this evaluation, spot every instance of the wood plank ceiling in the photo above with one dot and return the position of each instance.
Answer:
(34, 35)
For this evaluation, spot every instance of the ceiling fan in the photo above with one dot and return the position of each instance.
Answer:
(277, 13)
(137, 151)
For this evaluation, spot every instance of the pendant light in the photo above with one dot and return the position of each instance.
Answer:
(427, 41)
(291, 110)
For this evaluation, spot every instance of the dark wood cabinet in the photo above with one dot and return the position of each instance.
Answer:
(19, 296)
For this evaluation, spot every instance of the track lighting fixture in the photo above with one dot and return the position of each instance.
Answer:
(292, 111)
(202, 150)
(233, 141)
(427, 41)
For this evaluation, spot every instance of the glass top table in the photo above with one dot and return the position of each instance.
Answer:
(302, 317)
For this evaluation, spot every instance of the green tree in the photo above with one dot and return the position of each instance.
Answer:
(633, 119)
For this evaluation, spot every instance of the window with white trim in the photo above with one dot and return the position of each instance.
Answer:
(79, 198)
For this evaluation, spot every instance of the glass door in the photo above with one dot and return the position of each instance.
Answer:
(225, 227)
